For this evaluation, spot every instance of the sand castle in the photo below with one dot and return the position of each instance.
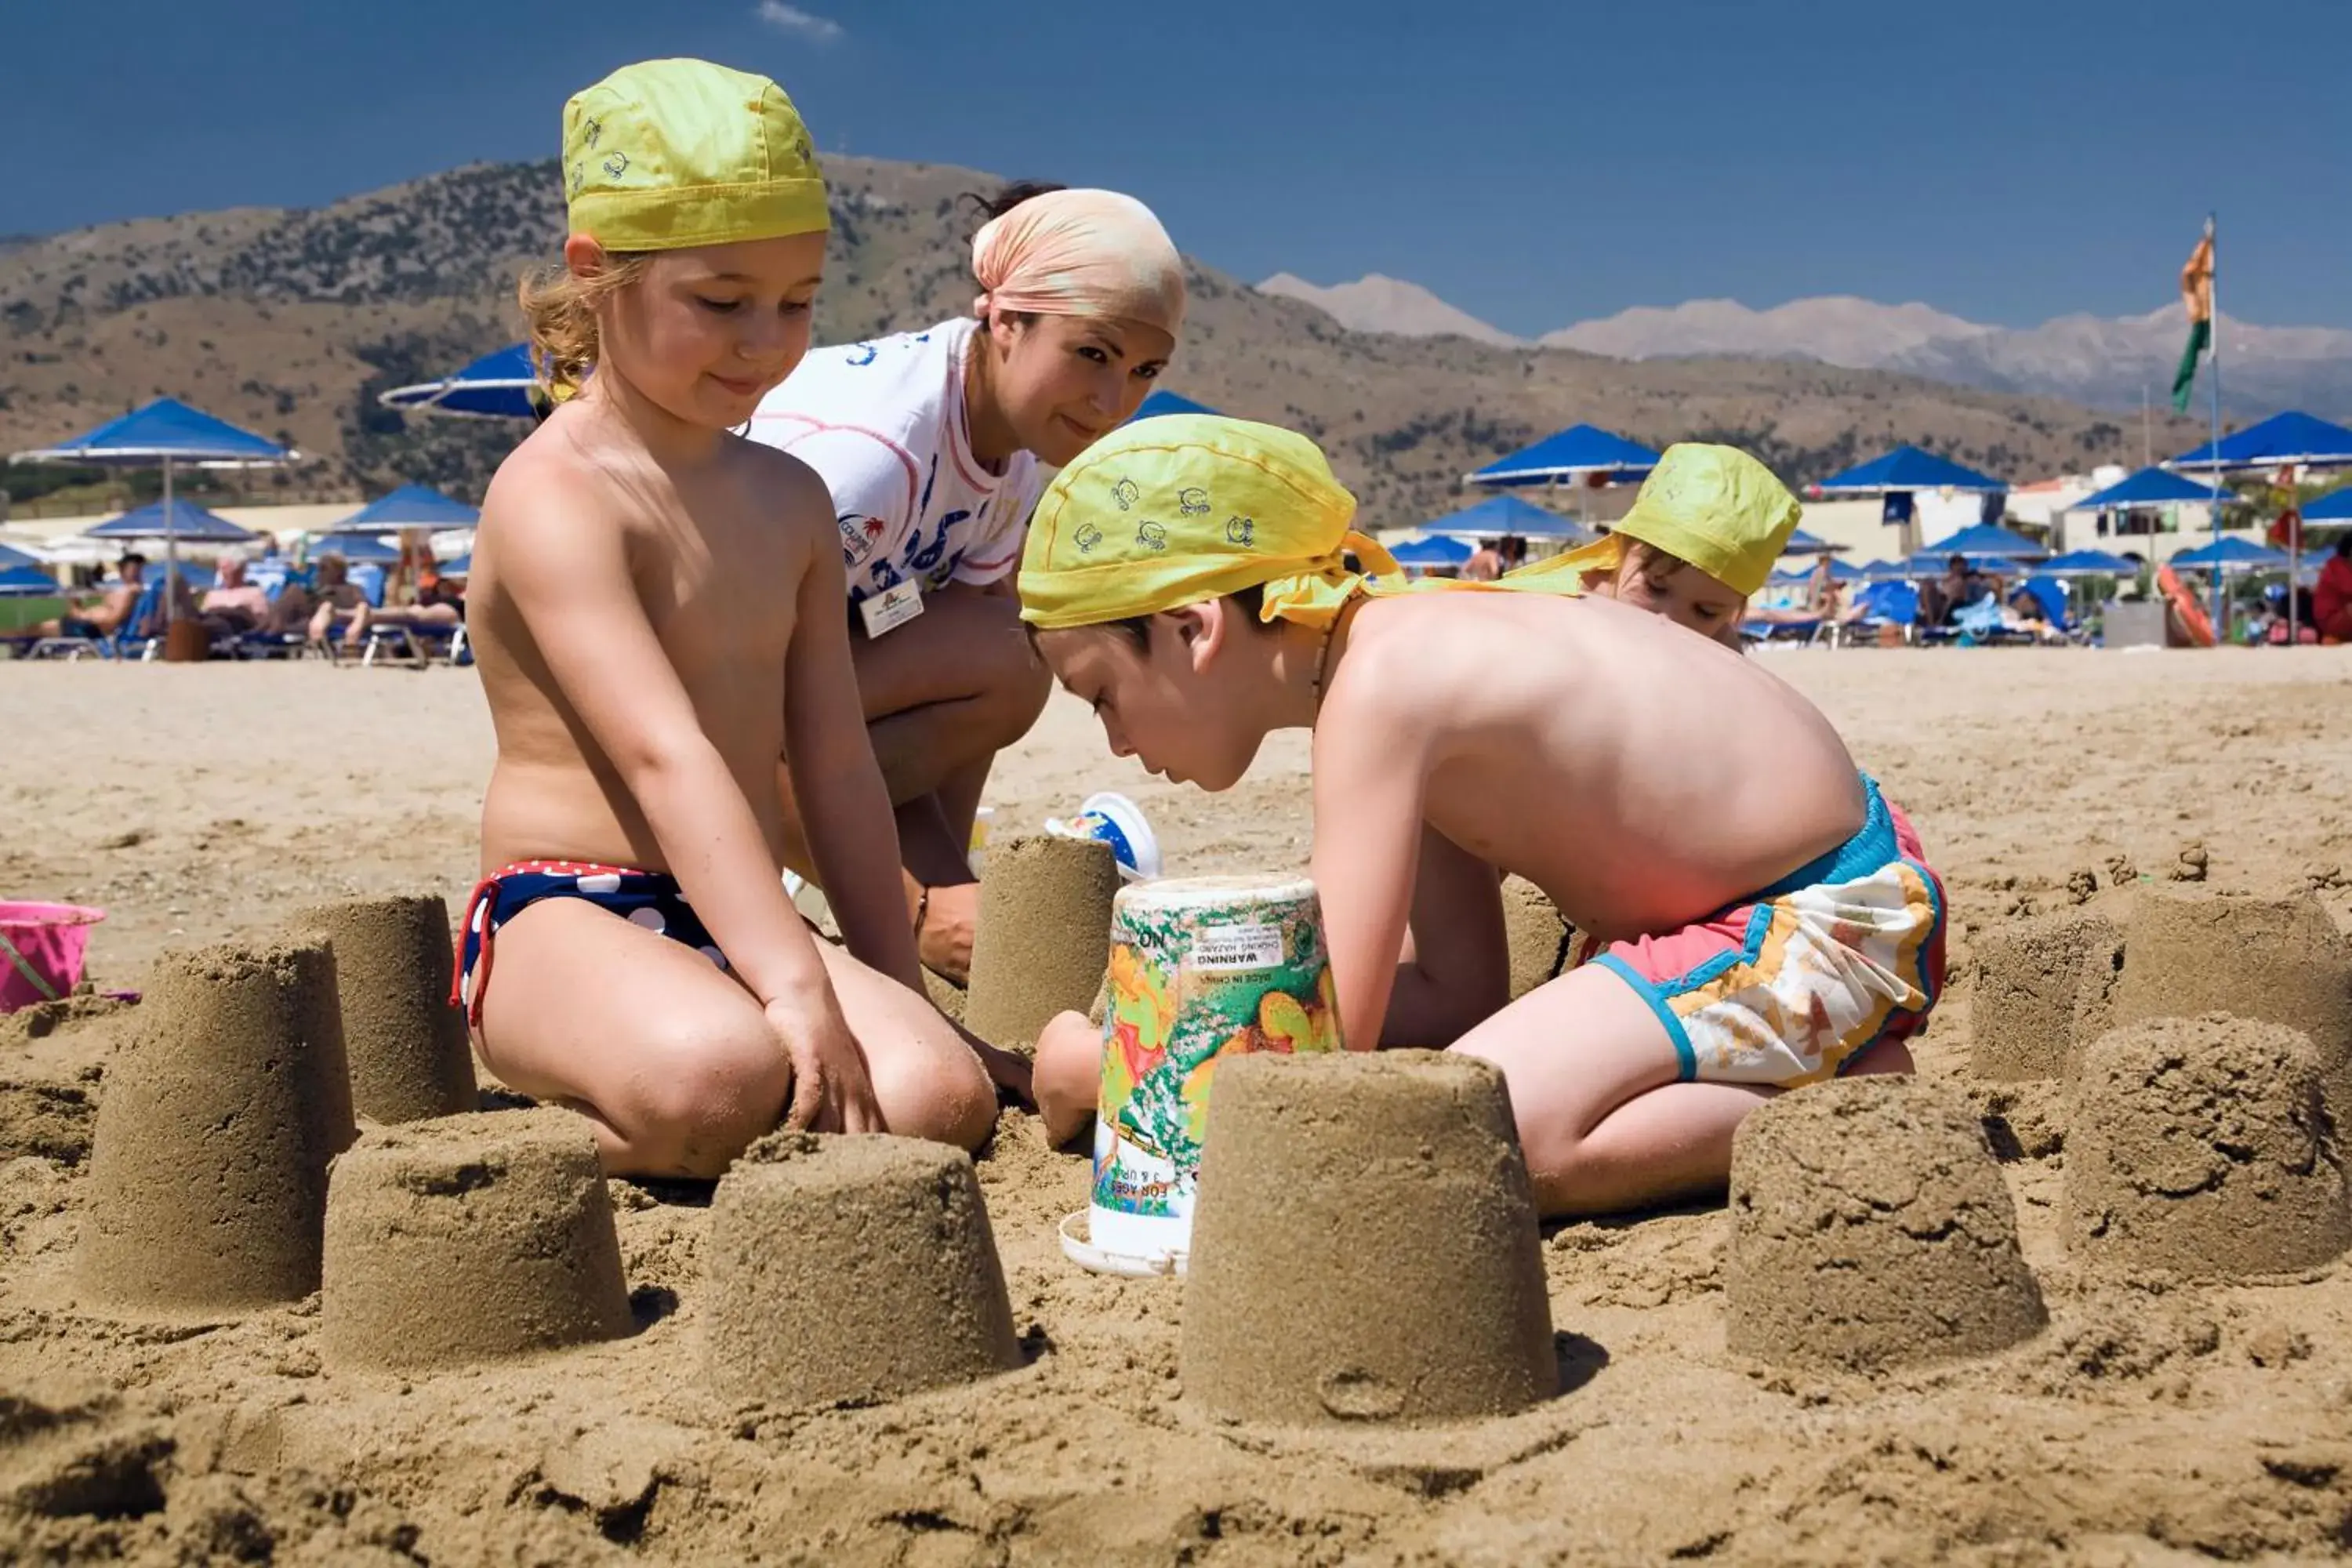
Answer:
(409, 1057)
(2044, 987)
(2278, 961)
(1538, 938)
(1364, 1248)
(1870, 1228)
(851, 1269)
(208, 1165)
(1044, 938)
(468, 1238)
(2200, 1146)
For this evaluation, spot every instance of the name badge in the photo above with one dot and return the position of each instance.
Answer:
(891, 608)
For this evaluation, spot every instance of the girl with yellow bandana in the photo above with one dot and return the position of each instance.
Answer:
(1756, 914)
(656, 608)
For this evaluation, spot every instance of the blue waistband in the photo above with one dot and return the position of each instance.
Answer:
(1871, 849)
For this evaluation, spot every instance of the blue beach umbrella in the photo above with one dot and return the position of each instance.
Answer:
(355, 548)
(1507, 517)
(1433, 552)
(410, 506)
(2284, 440)
(1987, 541)
(1803, 543)
(499, 386)
(2086, 563)
(1840, 572)
(11, 557)
(2333, 508)
(1573, 456)
(1160, 403)
(1910, 469)
(2147, 488)
(2232, 556)
(164, 433)
(179, 521)
(27, 582)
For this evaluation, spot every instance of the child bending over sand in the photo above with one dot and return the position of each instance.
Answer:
(1698, 543)
(1758, 915)
(657, 608)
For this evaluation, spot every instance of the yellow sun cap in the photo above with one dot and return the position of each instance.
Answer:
(1183, 508)
(666, 155)
(1714, 507)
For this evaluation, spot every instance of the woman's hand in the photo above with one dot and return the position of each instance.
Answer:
(831, 1090)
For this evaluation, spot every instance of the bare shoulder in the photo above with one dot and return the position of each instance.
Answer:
(779, 484)
(544, 490)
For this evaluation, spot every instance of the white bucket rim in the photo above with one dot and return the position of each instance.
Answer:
(1080, 1249)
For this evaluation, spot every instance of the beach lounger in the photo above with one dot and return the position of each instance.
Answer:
(123, 642)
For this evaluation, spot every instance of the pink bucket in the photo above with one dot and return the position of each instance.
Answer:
(41, 949)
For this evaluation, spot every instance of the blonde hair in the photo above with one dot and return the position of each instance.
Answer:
(560, 306)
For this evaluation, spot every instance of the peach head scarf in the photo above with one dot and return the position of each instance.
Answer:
(1080, 253)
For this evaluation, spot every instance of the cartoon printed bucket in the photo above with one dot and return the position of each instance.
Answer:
(41, 950)
(1202, 968)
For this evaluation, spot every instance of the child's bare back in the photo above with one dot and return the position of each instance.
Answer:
(1642, 776)
(714, 556)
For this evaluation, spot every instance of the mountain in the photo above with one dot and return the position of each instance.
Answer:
(2105, 363)
(290, 321)
(1836, 330)
(1373, 303)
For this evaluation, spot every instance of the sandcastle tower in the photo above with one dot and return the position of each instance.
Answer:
(2200, 1146)
(208, 1165)
(1043, 937)
(407, 1042)
(1869, 1227)
(1538, 938)
(1365, 1246)
(2044, 987)
(469, 1239)
(2279, 960)
(851, 1269)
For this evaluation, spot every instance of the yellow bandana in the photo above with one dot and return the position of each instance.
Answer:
(1174, 510)
(667, 154)
(1714, 507)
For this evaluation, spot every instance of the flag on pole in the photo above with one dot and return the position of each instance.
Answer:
(2197, 294)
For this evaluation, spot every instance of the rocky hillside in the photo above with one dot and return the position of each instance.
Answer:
(291, 321)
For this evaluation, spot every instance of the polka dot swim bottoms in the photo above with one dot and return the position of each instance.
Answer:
(647, 899)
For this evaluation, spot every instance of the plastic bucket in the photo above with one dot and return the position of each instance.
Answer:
(1202, 969)
(1119, 823)
(41, 950)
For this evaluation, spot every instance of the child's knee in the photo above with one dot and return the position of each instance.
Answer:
(1068, 1077)
(939, 1092)
(715, 1084)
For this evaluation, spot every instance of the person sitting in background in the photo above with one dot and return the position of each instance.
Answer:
(334, 593)
(2331, 600)
(1486, 562)
(104, 614)
(233, 605)
(440, 607)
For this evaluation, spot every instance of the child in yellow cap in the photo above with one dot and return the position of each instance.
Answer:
(1759, 915)
(656, 610)
(1699, 543)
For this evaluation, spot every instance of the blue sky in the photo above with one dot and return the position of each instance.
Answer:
(1535, 163)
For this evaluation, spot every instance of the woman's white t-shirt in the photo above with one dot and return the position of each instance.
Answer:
(883, 422)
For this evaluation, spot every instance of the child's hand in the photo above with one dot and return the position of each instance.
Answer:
(831, 1090)
(1009, 1071)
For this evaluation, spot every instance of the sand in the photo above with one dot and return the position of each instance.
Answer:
(2201, 1147)
(406, 1039)
(468, 1238)
(1870, 1228)
(2042, 987)
(1372, 1212)
(1044, 935)
(2209, 1420)
(851, 1270)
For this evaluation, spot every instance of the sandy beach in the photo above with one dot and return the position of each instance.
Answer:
(2142, 1425)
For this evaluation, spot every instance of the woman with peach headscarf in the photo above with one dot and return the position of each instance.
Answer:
(930, 443)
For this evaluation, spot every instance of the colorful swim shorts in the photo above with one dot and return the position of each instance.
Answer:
(647, 898)
(1793, 985)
